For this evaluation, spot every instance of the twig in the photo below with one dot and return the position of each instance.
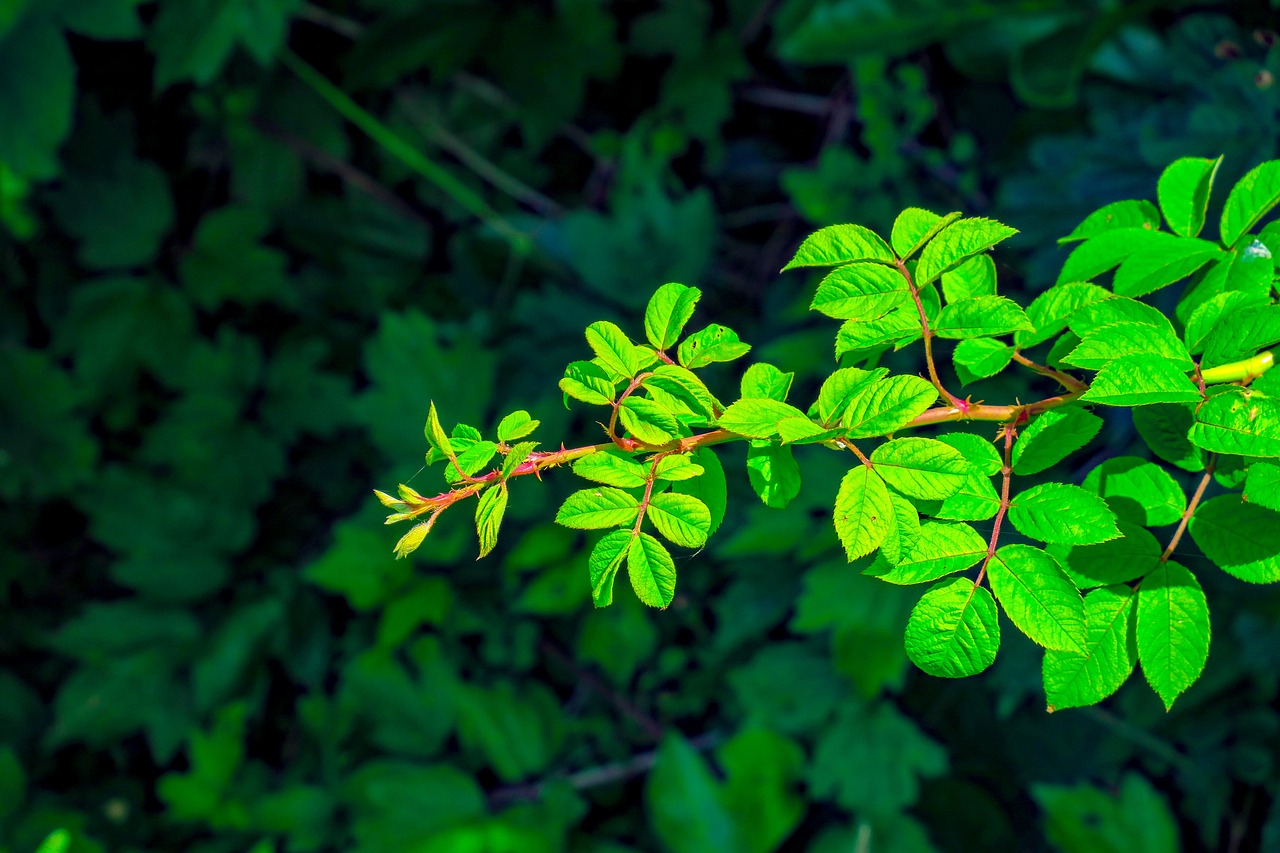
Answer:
(1191, 508)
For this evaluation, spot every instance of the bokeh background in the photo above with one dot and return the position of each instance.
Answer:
(244, 242)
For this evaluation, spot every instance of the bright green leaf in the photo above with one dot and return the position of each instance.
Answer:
(767, 382)
(668, 311)
(979, 358)
(611, 467)
(974, 277)
(516, 425)
(833, 397)
(1240, 538)
(1052, 437)
(1038, 597)
(647, 421)
(489, 511)
(596, 509)
(774, 474)
(1262, 485)
(914, 227)
(840, 244)
(861, 291)
(1164, 428)
(713, 344)
(1061, 513)
(1251, 198)
(954, 630)
(937, 550)
(587, 382)
(1077, 679)
(682, 519)
(1051, 311)
(1141, 380)
(652, 571)
(956, 243)
(603, 564)
(921, 467)
(981, 316)
(1104, 345)
(881, 407)
(863, 513)
(1173, 630)
(1118, 214)
(1138, 491)
(1240, 421)
(756, 418)
(1183, 191)
(1149, 269)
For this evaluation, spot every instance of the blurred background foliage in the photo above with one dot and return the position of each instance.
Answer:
(244, 242)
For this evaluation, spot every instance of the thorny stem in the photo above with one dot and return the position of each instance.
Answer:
(1191, 508)
(1009, 432)
(1066, 380)
(955, 401)
(613, 419)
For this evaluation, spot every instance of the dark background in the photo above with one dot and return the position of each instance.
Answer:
(244, 242)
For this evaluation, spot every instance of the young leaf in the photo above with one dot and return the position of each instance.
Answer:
(938, 550)
(863, 513)
(881, 407)
(615, 350)
(652, 571)
(914, 227)
(956, 243)
(863, 291)
(712, 344)
(767, 382)
(1242, 539)
(1038, 597)
(1140, 380)
(647, 421)
(1164, 428)
(410, 541)
(1173, 630)
(516, 425)
(470, 461)
(1051, 311)
(682, 519)
(1238, 420)
(1262, 485)
(516, 456)
(774, 474)
(1052, 437)
(606, 557)
(710, 488)
(1251, 199)
(489, 511)
(611, 467)
(954, 630)
(1149, 269)
(839, 387)
(596, 509)
(1138, 491)
(668, 311)
(1183, 192)
(587, 382)
(436, 435)
(1104, 345)
(978, 358)
(974, 277)
(675, 468)
(1118, 214)
(1056, 512)
(921, 467)
(1075, 680)
(1114, 561)
(981, 316)
(840, 244)
(756, 418)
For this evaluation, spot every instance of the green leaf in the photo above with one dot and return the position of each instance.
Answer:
(1183, 191)
(1240, 421)
(435, 433)
(1056, 512)
(804, 431)
(767, 382)
(516, 425)
(1164, 428)
(685, 802)
(756, 418)
(516, 456)
(954, 630)
(1173, 630)
(863, 513)
(1114, 561)
(1138, 491)
(1118, 214)
(1051, 311)
(861, 291)
(1242, 539)
(588, 382)
(1251, 198)
(710, 488)
(774, 474)
(713, 344)
(974, 277)
(1038, 597)
(840, 244)
(615, 350)
(1140, 380)
(1051, 437)
(914, 227)
(881, 407)
(596, 509)
(838, 388)
(1149, 269)
(977, 499)
(938, 550)
(921, 467)
(1088, 818)
(652, 571)
(1121, 309)
(489, 511)
(193, 40)
(983, 458)
(1103, 345)
(978, 358)
(1246, 269)
(981, 316)
(1206, 316)
(899, 327)
(684, 385)
(603, 564)
(38, 77)
(905, 529)
(668, 311)
(611, 467)
(675, 468)
(1106, 250)
(1077, 679)
(682, 519)
(647, 421)
(1241, 333)
(956, 243)
(1262, 485)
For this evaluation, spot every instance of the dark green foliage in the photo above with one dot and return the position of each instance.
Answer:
(244, 244)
